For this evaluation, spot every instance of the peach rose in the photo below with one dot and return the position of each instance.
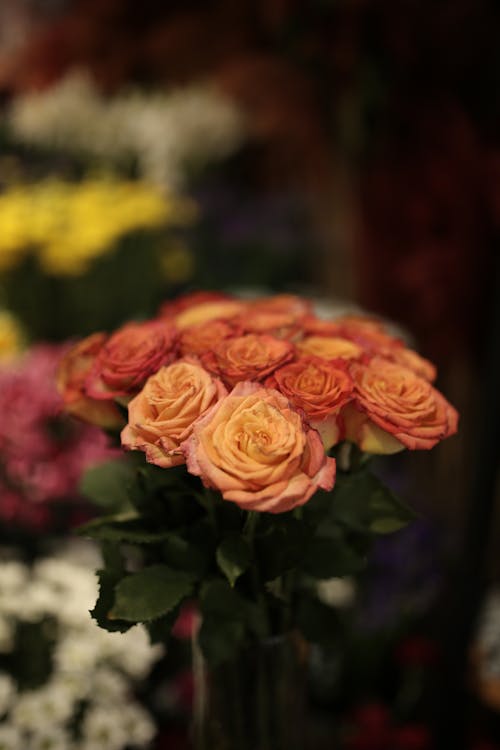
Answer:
(329, 347)
(394, 409)
(203, 337)
(128, 358)
(72, 373)
(249, 357)
(162, 415)
(319, 389)
(254, 448)
(280, 316)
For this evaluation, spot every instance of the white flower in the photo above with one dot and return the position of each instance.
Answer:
(13, 575)
(108, 686)
(105, 725)
(77, 652)
(337, 592)
(132, 651)
(50, 739)
(11, 738)
(166, 132)
(138, 725)
(7, 692)
(42, 709)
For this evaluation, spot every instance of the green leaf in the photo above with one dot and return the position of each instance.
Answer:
(233, 557)
(151, 593)
(159, 629)
(109, 577)
(108, 484)
(122, 527)
(362, 502)
(219, 638)
(389, 514)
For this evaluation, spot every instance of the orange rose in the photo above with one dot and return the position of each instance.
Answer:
(200, 307)
(394, 409)
(202, 338)
(319, 389)
(162, 415)
(413, 361)
(254, 448)
(329, 347)
(368, 333)
(249, 357)
(280, 316)
(71, 377)
(128, 358)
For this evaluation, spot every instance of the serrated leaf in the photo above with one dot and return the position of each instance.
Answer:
(108, 580)
(159, 629)
(182, 554)
(150, 593)
(233, 557)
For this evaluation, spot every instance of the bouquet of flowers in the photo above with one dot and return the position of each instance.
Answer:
(249, 427)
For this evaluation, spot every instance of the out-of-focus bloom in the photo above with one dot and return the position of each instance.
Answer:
(43, 453)
(87, 696)
(166, 132)
(68, 225)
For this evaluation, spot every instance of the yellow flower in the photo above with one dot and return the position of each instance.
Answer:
(68, 225)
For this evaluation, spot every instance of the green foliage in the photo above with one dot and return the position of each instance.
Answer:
(252, 574)
(233, 557)
(150, 593)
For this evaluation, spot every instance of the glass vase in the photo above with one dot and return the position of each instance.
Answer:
(253, 701)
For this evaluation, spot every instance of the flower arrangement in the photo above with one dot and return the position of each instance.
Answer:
(166, 133)
(277, 412)
(43, 454)
(65, 684)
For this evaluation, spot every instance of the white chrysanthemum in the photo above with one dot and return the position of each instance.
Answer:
(13, 575)
(167, 133)
(7, 692)
(50, 739)
(6, 635)
(77, 652)
(105, 725)
(109, 686)
(38, 601)
(132, 651)
(39, 710)
(11, 738)
(138, 725)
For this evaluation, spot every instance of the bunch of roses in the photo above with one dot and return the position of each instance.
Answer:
(252, 395)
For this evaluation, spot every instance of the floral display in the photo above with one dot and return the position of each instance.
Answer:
(168, 133)
(227, 391)
(43, 454)
(68, 225)
(65, 684)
